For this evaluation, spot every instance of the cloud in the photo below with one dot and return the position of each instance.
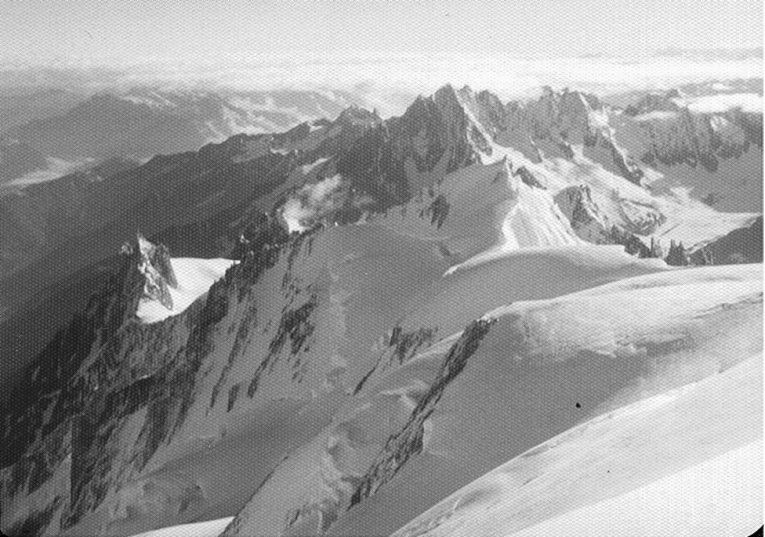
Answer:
(311, 202)
(388, 81)
(709, 104)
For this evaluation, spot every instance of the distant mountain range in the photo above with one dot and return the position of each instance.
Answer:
(21, 105)
(143, 122)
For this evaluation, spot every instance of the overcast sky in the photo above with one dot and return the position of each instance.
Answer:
(118, 32)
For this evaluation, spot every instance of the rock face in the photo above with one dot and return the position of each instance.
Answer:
(409, 441)
(586, 219)
(396, 159)
(709, 152)
(56, 395)
(677, 256)
(527, 177)
(157, 269)
(561, 124)
(144, 268)
(590, 224)
(700, 139)
(743, 245)
(84, 390)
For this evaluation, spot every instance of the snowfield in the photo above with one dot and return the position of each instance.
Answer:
(210, 528)
(195, 276)
(686, 462)
(722, 496)
(641, 378)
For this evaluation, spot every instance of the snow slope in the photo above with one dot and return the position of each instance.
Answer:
(195, 276)
(722, 496)
(210, 528)
(482, 283)
(685, 462)
(549, 366)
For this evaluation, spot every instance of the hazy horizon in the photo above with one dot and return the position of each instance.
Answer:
(375, 47)
(119, 33)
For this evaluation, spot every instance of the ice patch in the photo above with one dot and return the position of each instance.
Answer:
(307, 168)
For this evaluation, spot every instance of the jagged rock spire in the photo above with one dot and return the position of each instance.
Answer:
(157, 269)
(586, 219)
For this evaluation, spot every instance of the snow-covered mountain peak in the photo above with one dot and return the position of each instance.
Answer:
(453, 114)
(573, 114)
